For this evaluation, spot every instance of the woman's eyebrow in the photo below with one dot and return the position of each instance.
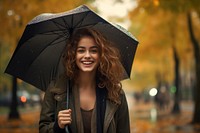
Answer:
(85, 47)
(80, 47)
(94, 46)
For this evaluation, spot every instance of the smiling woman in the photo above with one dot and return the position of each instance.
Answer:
(97, 101)
(87, 55)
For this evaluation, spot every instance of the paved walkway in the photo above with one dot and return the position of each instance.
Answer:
(144, 119)
(28, 122)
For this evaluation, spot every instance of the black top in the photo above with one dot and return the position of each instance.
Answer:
(86, 116)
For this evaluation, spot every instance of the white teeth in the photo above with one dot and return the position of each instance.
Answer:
(87, 62)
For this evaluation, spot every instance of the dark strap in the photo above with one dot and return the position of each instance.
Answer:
(101, 94)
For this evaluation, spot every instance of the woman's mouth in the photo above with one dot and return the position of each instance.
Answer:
(87, 62)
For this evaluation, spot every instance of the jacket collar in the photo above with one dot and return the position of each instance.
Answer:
(59, 86)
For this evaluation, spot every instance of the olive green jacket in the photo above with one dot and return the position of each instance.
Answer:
(116, 116)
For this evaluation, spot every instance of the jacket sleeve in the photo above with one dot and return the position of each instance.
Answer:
(47, 115)
(123, 123)
(48, 122)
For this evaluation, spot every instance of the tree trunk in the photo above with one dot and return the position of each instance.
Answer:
(14, 114)
(176, 108)
(196, 116)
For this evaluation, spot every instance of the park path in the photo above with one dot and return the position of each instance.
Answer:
(144, 119)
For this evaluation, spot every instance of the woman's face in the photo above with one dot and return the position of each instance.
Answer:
(87, 55)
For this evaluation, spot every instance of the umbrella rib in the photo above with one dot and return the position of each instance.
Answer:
(64, 39)
(60, 35)
(61, 31)
(72, 20)
(58, 24)
(92, 25)
(44, 49)
(65, 22)
(57, 32)
(81, 21)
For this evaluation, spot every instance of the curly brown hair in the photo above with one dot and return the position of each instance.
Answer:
(110, 70)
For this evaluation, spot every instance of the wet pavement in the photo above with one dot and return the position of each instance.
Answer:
(145, 118)
(28, 122)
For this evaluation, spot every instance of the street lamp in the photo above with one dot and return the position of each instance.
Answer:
(153, 92)
(153, 112)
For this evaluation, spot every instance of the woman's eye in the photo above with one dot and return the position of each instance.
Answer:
(94, 50)
(80, 50)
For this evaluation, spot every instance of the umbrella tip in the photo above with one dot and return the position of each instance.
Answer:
(84, 7)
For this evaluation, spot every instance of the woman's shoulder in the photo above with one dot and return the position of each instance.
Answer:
(122, 96)
(122, 92)
(58, 86)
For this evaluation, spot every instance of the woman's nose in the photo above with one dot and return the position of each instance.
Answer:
(87, 54)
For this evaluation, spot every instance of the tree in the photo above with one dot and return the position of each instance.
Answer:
(196, 117)
(14, 114)
(181, 8)
(176, 108)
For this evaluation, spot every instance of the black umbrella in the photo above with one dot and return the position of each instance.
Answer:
(37, 58)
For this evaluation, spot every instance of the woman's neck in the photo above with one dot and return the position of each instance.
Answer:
(86, 81)
(87, 92)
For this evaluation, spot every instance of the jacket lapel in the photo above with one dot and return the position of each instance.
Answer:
(111, 108)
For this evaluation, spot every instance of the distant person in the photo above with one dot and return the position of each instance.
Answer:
(162, 98)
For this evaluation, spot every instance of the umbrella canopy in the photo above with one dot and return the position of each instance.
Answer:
(37, 58)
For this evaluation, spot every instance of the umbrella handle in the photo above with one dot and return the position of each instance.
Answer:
(67, 104)
(67, 97)
(66, 129)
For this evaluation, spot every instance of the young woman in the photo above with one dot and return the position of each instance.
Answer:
(97, 103)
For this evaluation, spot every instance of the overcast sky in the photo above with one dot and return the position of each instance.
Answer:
(110, 8)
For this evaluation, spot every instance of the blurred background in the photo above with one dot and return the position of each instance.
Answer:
(163, 90)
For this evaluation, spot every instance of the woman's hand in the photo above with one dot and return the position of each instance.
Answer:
(64, 118)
